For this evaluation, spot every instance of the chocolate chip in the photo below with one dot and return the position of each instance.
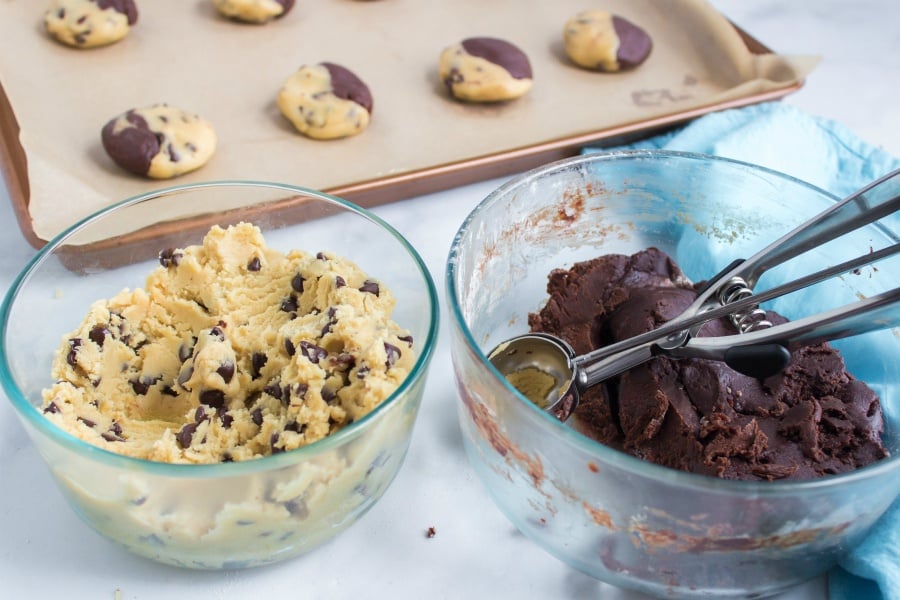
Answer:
(289, 347)
(406, 338)
(116, 428)
(300, 389)
(312, 352)
(227, 458)
(344, 361)
(185, 376)
(226, 371)
(297, 283)
(226, 419)
(321, 256)
(393, 354)
(295, 427)
(141, 386)
(258, 361)
(186, 435)
(254, 264)
(362, 372)
(87, 422)
(98, 334)
(111, 437)
(169, 391)
(289, 304)
(51, 408)
(169, 257)
(297, 508)
(339, 281)
(217, 332)
(185, 351)
(328, 394)
(200, 414)
(74, 345)
(370, 287)
(257, 417)
(274, 390)
(274, 440)
(213, 398)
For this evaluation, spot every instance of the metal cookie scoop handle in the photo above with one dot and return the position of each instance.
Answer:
(757, 351)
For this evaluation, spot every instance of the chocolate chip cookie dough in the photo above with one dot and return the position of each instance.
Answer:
(326, 101)
(253, 11)
(485, 69)
(90, 23)
(601, 41)
(232, 351)
(159, 141)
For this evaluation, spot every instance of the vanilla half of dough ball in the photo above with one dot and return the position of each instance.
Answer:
(253, 11)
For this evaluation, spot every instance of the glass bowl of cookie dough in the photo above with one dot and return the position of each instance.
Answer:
(223, 374)
(582, 489)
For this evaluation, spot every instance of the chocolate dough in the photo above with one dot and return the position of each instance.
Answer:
(811, 420)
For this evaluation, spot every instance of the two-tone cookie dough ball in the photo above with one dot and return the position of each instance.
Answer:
(253, 11)
(159, 141)
(90, 23)
(601, 41)
(485, 69)
(326, 101)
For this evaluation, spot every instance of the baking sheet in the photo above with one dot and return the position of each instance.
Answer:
(183, 53)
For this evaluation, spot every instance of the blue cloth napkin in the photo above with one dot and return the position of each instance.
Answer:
(828, 155)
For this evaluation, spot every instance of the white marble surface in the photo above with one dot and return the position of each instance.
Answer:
(46, 552)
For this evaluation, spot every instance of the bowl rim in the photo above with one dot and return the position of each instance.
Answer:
(582, 442)
(33, 416)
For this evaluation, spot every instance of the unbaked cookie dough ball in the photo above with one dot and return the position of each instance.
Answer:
(253, 11)
(90, 23)
(159, 141)
(326, 101)
(601, 41)
(485, 69)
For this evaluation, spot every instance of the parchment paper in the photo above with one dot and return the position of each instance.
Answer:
(183, 53)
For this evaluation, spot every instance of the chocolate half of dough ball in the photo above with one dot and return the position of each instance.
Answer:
(126, 7)
(485, 69)
(501, 53)
(601, 41)
(345, 84)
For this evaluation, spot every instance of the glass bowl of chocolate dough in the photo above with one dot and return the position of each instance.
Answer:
(221, 375)
(676, 478)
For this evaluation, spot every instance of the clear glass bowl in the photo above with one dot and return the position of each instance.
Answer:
(226, 515)
(624, 521)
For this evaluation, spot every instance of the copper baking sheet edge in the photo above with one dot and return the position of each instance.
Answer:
(377, 191)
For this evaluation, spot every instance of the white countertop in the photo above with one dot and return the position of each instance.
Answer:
(46, 551)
